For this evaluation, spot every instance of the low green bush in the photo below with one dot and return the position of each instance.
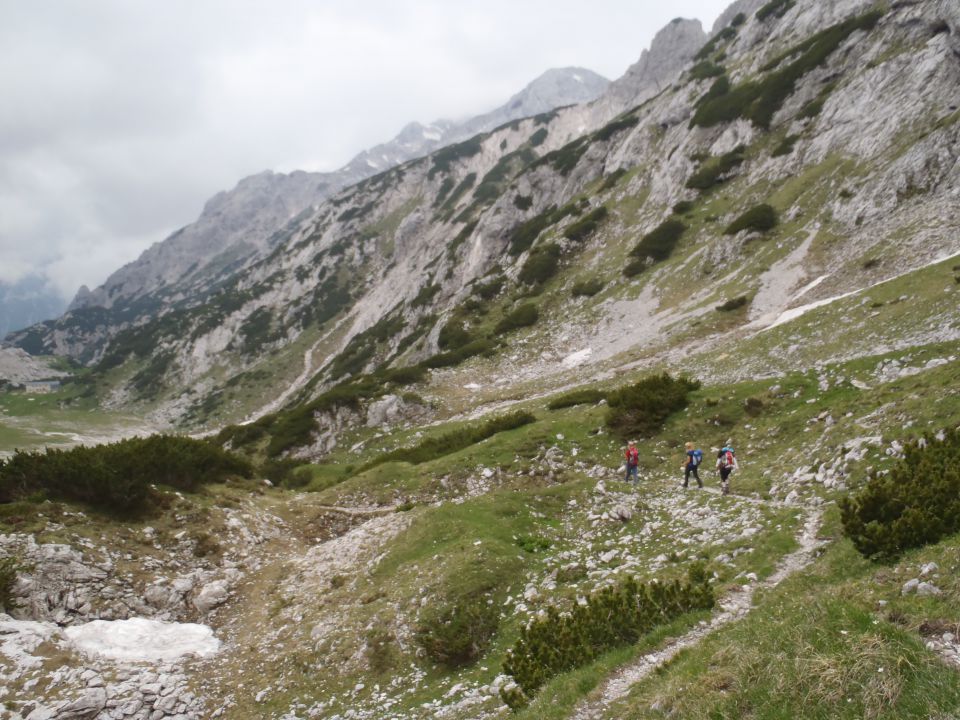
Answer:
(774, 8)
(587, 225)
(640, 410)
(587, 288)
(577, 397)
(659, 243)
(453, 335)
(453, 441)
(489, 289)
(786, 146)
(117, 476)
(612, 179)
(612, 617)
(611, 129)
(455, 357)
(538, 137)
(523, 236)
(761, 218)
(9, 568)
(716, 170)
(683, 207)
(759, 100)
(541, 265)
(734, 304)
(704, 70)
(635, 267)
(916, 503)
(456, 634)
(524, 315)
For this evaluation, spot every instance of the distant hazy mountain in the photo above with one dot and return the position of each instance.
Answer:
(234, 225)
(26, 302)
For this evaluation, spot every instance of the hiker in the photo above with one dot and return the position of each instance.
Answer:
(632, 456)
(726, 464)
(691, 465)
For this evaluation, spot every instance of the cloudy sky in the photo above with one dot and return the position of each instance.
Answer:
(121, 117)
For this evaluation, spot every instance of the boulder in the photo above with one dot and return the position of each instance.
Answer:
(211, 596)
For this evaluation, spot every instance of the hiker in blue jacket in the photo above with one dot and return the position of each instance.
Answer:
(694, 458)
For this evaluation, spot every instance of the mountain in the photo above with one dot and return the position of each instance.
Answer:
(28, 301)
(427, 385)
(234, 226)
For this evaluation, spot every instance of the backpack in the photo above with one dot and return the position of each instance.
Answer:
(727, 458)
(697, 457)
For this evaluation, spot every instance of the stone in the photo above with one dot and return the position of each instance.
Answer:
(930, 567)
(926, 589)
(211, 596)
(909, 586)
(86, 706)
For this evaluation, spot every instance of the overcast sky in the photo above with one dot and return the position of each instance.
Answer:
(120, 118)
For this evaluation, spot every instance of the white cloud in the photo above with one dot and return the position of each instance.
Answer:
(121, 117)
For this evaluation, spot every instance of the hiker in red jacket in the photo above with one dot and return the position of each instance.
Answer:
(632, 457)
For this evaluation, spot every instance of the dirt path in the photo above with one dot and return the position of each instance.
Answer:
(732, 607)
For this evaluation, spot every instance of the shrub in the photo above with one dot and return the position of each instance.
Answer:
(587, 288)
(612, 617)
(612, 179)
(425, 295)
(634, 268)
(523, 316)
(738, 20)
(445, 157)
(640, 410)
(683, 207)
(455, 357)
(759, 100)
(8, 579)
(407, 375)
(456, 634)
(705, 69)
(715, 170)
(585, 226)
(522, 202)
(541, 265)
(524, 235)
(578, 397)
(565, 159)
(786, 146)
(453, 335)
(454, 441)
(611, 129)
(761, 218)
(118, 476)
(538, 137)
(489, 289)
(917, 503)
(734, 304)
(660, 242)
(775, 8)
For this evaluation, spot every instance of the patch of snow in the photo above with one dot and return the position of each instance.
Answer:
(431, 135)
(577, 78)
(142, 639)
(372, 164)
(472, 386)
(577, 358)
(19, 638)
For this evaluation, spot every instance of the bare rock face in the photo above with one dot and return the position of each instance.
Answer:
(672, 49)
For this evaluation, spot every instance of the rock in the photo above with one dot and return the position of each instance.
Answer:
(487, 473)
(926, 589)
(86, 706)
(909, 586)
(623, 513)
(211, 596)
(930, 567)
(608, 556)
(792, 498)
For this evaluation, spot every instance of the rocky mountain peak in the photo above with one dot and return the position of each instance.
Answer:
(672, 48)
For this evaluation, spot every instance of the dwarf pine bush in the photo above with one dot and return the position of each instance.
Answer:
(658, 244)
(577, 397)
(917, 503)
(761, 218)
(612, 617)
(641, 409)
(8, 579)
(118, 476)
(524, 316)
